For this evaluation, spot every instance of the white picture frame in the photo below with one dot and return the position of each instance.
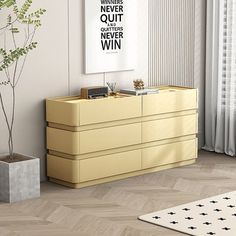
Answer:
(110, 35)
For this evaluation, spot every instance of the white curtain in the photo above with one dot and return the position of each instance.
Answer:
(220, 120)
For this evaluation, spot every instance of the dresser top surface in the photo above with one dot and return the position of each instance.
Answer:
(76, 99)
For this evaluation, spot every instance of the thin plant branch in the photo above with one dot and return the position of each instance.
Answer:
(12, 122)
(7, 72)
(9, 25)
(13, 36)
(7, 75)
(4, 111)
(7, 122)
(24, 60)
(14, 74)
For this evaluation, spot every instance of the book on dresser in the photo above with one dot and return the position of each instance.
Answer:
(139, 92)
(96, 141)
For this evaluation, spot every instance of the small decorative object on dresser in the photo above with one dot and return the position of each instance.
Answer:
(112, 87)
(96, 141)
(139, 92)
(138, 84)
(94, 92)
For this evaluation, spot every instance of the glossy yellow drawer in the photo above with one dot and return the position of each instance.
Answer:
(63, 111)
(72, 111)
(109, 138)
(63, 141)
(75, 143)
(172, 101)
(169, 153)
(169, 128)
(63, 169)
(110, 165)
(110, 109)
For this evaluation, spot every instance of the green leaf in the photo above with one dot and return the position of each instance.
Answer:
(6, 3)
(20, 15)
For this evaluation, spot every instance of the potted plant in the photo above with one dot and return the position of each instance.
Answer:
(19, 174)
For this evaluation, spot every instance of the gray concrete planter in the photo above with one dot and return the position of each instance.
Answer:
(19, 180)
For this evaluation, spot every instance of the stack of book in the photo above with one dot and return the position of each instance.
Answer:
(140, 92)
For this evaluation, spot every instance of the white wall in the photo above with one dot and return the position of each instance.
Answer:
(47, 73)
(177, 47)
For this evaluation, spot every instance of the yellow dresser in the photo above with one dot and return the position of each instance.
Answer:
(96, 141)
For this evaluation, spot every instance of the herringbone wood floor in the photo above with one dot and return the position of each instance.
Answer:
(112, 208)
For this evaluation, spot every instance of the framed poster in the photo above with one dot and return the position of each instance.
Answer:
(110, 35)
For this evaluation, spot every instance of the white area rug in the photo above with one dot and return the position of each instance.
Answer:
(212, 216)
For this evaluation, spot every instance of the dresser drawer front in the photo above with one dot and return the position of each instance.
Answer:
(63, 141)
(169, 128)
(75, 143)
(109, 138)
(110, 165)
(110, 109)
(63, 169)
(169, 153)
(169, 102)
(63, 113)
